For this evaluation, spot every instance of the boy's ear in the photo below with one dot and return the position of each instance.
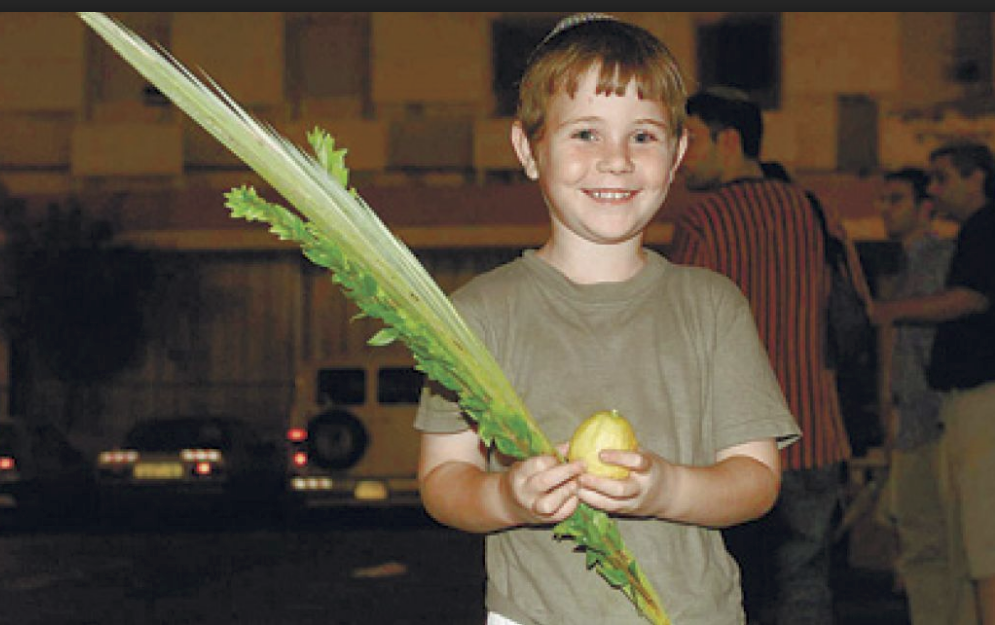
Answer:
(523, 150)
(682, 148)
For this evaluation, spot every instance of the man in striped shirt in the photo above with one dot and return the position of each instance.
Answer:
(763, 234)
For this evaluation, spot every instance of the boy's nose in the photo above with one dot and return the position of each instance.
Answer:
(615, 159)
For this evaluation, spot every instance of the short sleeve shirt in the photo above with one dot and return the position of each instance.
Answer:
(926, 263)
(674, 349)
(963, 353)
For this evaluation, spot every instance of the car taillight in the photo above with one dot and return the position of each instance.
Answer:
(7, 463)
(300, 459)
(203, 468)
(117, 457)
(297, 435)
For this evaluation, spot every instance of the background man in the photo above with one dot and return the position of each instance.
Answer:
(911, 409)
(962, 366)
(762, 232)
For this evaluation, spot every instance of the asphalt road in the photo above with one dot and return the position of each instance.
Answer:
(362, 569)
(350, 568)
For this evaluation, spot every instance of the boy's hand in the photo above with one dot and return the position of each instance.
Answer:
(542, 489)
(635, 495)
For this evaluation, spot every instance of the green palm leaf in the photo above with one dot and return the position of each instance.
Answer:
(337, 230)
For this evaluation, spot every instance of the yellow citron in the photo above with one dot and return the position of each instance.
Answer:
(605, 429)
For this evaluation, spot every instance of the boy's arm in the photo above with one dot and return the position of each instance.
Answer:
(458, 490)
(455, 487)
(742, 485)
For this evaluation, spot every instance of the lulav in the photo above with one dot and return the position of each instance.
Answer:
(340, 232)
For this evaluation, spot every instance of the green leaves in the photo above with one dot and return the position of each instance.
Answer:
(598, 535)
(384, 337)
(337, 230)
(331, 159)
(507, 427)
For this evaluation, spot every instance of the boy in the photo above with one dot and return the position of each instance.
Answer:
(593, 320)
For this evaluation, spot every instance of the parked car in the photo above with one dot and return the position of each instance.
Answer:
(350, 439)
(179, 460)
(43, 477)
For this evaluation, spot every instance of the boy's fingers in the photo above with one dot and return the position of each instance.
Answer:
(628, 459)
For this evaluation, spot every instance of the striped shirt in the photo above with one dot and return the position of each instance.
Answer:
(764, 235)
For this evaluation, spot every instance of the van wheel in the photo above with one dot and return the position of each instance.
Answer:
(337, 439)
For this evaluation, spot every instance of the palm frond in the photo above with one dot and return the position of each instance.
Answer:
(352, 226)
(336, 229)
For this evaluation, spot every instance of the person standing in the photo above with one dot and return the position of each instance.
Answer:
(962, 368)
(593, 319)
(911, 409)
(763, 233)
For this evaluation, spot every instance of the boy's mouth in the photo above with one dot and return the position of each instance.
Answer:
(610, 195)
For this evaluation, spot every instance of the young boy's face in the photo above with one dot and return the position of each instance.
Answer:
(604, 162)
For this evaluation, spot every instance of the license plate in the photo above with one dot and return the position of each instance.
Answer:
(158, 471)
(370, 490)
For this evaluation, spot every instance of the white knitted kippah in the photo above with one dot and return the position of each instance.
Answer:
(574, 20)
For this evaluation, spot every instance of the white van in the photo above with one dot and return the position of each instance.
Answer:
(351, 437)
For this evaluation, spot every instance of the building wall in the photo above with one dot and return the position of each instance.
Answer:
(411, 96)
(411, 93)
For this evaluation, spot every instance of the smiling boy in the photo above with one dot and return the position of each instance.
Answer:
(594, 320)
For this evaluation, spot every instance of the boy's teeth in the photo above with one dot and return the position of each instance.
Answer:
(610, 195)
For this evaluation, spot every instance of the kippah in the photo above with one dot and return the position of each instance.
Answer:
(574, 20)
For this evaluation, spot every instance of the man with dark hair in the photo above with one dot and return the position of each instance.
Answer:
(909, 407)
(763, 233)
(962, 367)
(721, 109)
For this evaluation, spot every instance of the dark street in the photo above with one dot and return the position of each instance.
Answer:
(350, 568)
(394, 568)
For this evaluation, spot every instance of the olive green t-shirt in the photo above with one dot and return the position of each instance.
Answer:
(675, 350)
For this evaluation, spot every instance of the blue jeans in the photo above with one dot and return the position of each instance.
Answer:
(785, 556)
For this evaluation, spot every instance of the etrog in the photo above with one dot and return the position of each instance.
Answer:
(605, 429)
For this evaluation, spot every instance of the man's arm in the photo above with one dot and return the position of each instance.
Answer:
(946, 305)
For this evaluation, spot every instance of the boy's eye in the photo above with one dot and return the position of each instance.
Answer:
(584, 134)
(644, 136)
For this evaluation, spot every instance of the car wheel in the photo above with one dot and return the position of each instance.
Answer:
(337, 439)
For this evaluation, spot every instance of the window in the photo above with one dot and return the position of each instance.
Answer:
(328, 60)
(399, 385)
(743, 51)
(342, 386)
(115, 91)
(513, 39)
